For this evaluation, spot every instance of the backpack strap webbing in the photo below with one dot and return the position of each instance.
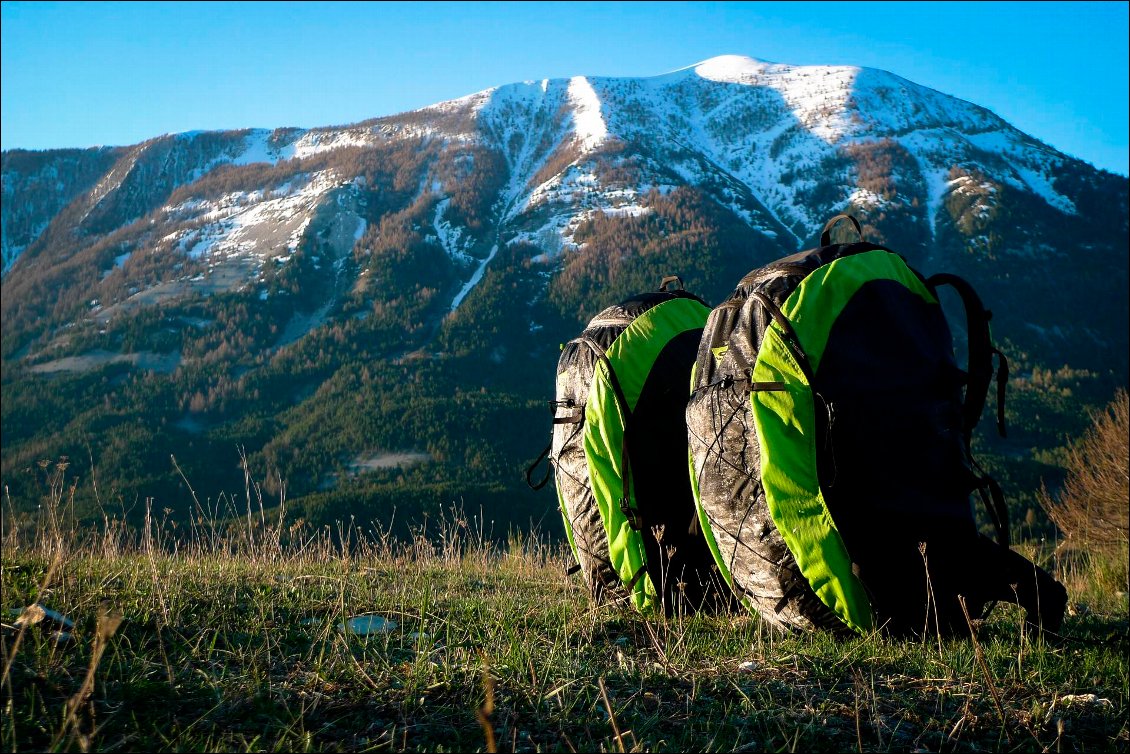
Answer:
(575, 416)
(548, 469)
(993, 499)
(826, 234)
(788, 335)
(981, 352)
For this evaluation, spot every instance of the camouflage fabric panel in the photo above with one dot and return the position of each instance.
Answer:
(574, 376)
(726, 464)
(572, 478)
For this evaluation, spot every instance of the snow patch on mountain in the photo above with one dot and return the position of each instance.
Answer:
(568, 187)
(816, 95)
(326, 140)
(11, 252)
(471, 102)
(1033, 166)
(258, 148)
(882, 101)
(588, 123)
(450, 237)
(739, 123)
(554, 238)
(455, 302)
(262, 225)
(556, 235)
(1039, 182)
(112, 180)
(733, 69)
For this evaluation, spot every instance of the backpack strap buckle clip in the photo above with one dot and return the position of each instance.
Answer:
(631, 514)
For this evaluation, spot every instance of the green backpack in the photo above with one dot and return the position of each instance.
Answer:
(830, 430)
(619, 440)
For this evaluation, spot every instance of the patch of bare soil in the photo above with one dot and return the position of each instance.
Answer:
(148, 360)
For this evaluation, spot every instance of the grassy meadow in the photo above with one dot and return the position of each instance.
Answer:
(231, 639)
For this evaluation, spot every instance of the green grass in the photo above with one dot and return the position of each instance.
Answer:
(230, 642)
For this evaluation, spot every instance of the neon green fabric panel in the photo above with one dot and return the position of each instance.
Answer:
(634, 353)
(786, 433)
(632, 356)
(568, 525)
(786, 427)
(604, 436)
(817, 302)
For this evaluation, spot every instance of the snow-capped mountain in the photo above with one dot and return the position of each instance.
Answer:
(490, 225)
(770, 134)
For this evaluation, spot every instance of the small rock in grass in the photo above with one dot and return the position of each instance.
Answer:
(37, 614)
(1091, 701)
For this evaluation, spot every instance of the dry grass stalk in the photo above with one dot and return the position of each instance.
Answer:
(107, 625)
(980, 655)
(484, 712)
(611, 715)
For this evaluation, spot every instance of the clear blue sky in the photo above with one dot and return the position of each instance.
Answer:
(78, 74)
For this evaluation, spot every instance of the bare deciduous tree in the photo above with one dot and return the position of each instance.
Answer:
(1093, 507)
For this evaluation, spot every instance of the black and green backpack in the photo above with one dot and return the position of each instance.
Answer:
(619, 442)
(830, 429)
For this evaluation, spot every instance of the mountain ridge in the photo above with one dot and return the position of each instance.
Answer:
(236, 286)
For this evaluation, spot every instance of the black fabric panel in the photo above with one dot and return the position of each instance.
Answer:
(657, 437)
(893, 440)
(677, 554)
(890, 444)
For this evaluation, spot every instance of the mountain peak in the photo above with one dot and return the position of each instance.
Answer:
(729, 67)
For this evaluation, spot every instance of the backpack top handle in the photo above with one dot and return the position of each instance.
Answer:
(826, 234)
(671, 280)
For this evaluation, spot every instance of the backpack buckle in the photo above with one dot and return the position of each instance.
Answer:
(631, 514)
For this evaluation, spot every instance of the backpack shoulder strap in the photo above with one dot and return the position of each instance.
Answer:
(981, 352)
(979, 375)
(576, 415)
(548, 469)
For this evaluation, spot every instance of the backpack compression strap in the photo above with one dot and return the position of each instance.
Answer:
(576, 417)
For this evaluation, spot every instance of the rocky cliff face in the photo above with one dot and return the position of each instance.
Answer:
(38, 185)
